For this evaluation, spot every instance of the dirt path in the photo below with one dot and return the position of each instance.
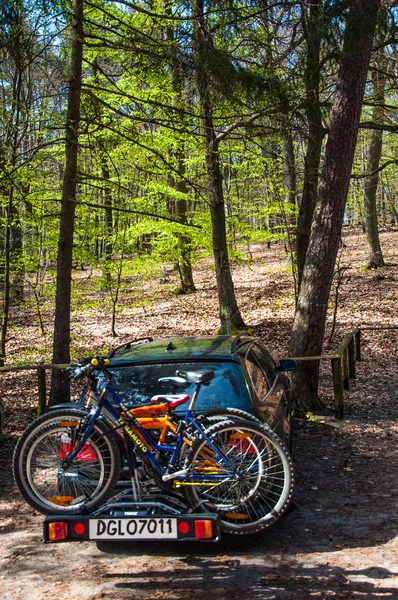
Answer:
(341, 538)
(339, 541)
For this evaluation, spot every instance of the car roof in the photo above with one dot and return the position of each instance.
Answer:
(218, 347)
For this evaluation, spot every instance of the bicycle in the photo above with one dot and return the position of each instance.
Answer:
(68, 461)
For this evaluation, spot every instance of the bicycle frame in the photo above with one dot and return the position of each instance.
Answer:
(138, 434)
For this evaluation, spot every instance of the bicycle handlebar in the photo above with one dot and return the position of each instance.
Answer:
(88, 366)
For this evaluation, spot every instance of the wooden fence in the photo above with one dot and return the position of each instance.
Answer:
(342, 363)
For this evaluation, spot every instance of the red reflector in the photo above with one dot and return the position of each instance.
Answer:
(58, 531)
(86, 453)
(203, 529)
(183, 527)
(79, 528)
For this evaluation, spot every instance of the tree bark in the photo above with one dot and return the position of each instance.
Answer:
(310, 316)
(375, 255)
(230, 316)
(61, 350)
(12, 216)
(184, 244)
(312, 25)
(107, 246)
(289, 166)
(187, 285)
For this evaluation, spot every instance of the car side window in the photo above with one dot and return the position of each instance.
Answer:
(259, 378)
(264, 361)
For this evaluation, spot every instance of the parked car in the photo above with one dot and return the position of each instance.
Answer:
(246, 376)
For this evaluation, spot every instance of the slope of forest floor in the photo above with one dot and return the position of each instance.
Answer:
(341, 538)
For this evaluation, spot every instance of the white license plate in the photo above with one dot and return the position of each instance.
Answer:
(138, 528)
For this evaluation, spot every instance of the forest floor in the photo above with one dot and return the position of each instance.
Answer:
(341, 538)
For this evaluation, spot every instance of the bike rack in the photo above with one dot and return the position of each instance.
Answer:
(157, 516)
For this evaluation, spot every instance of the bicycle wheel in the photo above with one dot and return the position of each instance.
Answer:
(236, 413)
(264, 488)
(38, 463)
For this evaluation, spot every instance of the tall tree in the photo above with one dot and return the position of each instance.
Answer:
(375, 255)
(230, 316)
(310, 316)
(181, 205)
(16, 53)
(312, 21)
(61, 348)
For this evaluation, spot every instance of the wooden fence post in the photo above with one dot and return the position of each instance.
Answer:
(346, 378)
(358, 345)
(42, 392)
(338, 388)
(351, 358)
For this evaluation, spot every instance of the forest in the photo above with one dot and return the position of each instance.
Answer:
(138, 137)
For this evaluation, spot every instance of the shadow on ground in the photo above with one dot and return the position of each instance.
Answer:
(232, 578)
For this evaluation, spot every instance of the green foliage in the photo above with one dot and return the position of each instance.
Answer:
(142, 195)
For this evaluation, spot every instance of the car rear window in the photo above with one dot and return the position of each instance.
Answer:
(136, 384)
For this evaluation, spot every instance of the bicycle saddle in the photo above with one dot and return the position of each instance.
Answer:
(173, 400)
(195, 377)
(177, 382)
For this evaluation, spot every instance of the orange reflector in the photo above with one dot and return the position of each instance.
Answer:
(68, 423)
(240, 436)
(61, 500)
(203, 529)
(236, 516)
(57, 531)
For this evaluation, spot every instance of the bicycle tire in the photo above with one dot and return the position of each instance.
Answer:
(38, 470)
(214, 416)
(272, 495)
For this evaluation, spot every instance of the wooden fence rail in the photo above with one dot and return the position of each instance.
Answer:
(343, 367)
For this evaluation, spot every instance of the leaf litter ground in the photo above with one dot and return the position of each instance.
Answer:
(340, 540)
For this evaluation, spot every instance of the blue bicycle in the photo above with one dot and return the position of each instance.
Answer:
(68, 461)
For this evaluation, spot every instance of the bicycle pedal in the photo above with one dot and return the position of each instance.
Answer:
(170, 476)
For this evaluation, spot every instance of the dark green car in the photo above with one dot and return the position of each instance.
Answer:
(246, 376)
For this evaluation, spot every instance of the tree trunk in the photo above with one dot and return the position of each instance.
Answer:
(310, 317)
(375, 255)
(187, 285)
(18, 267)
(6, 283)
(184, 259)
(230, 316)
(108, 217)
(107, 246)
(289, 166)
(312, 25)
(61, 350)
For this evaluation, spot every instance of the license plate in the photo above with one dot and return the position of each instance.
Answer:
(154, 528)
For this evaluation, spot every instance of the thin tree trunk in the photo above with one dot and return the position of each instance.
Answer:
(107, 246)
(61, 350)
(18, 267)
(290, 166)
(181, 206)
(375, 255)
(312, 25)
(13, 130)
(310, 317)
(184, 259)
(230, 316)
(6, 284)
(108, 217)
